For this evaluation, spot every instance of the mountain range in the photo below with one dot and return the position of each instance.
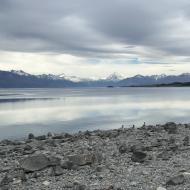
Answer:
(21, 79)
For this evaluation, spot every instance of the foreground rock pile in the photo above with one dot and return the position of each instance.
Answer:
(146, 158)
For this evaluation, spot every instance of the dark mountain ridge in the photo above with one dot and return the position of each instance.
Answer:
(21, 79)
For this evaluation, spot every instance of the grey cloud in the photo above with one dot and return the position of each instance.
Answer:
(91, 28)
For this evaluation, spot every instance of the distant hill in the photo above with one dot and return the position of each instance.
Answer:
(140, 80)
(21, 79)
(13, 79)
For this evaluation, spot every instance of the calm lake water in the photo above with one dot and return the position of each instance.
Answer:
(39, 111)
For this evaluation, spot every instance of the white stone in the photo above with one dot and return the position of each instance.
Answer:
(161, 188)
(186, 173)
(133, 183)
(15, 182)
(46, 183)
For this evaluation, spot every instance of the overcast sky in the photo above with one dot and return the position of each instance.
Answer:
(95, 37)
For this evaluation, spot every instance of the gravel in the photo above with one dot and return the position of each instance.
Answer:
(145, 158)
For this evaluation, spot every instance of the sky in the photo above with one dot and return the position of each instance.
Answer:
(90, 38)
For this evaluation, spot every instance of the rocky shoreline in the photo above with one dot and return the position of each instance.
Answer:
(145, 158)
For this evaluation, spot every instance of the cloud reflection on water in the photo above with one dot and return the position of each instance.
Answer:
(83, 109)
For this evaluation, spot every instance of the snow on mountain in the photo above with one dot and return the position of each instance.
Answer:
(20, 72)
(73, 78)
(185, 74)
(114, 77)
(157, 77)
(138, 76)
(49, 76)
(140, 80)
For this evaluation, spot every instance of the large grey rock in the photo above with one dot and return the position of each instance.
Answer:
(41, 138)
(176, 180)
(137, 148)
(138, 156)
(69, 165)
(170, 127)
(35, 163)
(123, 148)
(57, 137)
(186, 141)
(78, 186)
(31, 136)
(50, 134)
(82, 159)
(28, 149)
(51, 142)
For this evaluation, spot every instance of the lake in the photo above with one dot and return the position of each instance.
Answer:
(39, 111)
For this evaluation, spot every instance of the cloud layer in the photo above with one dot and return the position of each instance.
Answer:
(143, 30)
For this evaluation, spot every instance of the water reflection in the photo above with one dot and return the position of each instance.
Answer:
(43, 110)
(13, 100)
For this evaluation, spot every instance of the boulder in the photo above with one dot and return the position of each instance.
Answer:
(28, 149)
(100, 168)
(186, 141)
(46, 183)
(173, 147)
(67, 135)
(170, 127)
(136, 148)
(51, 142)
(35, 163)
(50, 134)
(57, 137)
(31, 136)
(138, 156)
(78, 186)
(123, 148)
(176, 180)
(67, 165)
(87, 133)
(41, 138)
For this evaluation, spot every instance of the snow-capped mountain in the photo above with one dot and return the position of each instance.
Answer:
(48, 76)
(140, 80)
(19, 72)
(114, 77)
(64, 77)
(73, 78)
(157, 77)
(21, 79)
